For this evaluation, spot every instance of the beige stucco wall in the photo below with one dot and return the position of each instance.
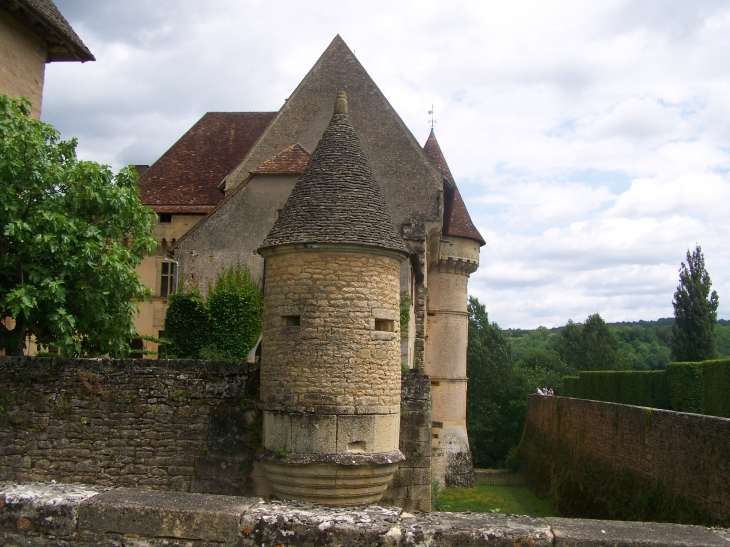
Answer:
(22, 62)
(336, 359)
(233, 232)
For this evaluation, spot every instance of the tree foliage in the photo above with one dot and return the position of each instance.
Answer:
(493, 419)
(695, 312)
(236, 306)
(71, 235)
(225, 326)
(591, 346)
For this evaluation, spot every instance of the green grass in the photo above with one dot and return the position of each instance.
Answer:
(514, 500)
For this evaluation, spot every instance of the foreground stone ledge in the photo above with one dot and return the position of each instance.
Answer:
(612, 533)
(75, 515)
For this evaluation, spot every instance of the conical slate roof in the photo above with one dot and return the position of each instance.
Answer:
(457, 221)
(336, 199)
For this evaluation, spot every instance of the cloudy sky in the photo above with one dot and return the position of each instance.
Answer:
(590, 139)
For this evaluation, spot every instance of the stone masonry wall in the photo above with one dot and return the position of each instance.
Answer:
(335, 362)
(605, 460)
(410, 487)
(169, 425)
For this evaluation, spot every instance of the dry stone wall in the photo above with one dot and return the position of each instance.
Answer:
(604, 460)
(169, 425)
(334, 361)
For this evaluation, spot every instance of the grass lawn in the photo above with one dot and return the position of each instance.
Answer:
(515, 500)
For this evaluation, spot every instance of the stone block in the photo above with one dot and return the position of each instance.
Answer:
(356, 433)
(472, 529)
(276, 430)
(313, 434)
(165, 514)
(579, 532)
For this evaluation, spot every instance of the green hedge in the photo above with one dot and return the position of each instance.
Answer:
(716, 388)
(700, 388)
(643, 388)
(684, 381)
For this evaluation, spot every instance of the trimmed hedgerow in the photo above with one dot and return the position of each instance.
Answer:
(684, 382)
(642, 388)
(716, 388)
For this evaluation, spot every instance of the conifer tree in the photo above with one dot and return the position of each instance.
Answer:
(695, 311)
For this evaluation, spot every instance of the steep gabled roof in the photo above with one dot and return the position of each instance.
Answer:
(457, 221)
(336, 200)
(43, 18)
(185, 179)
(290, 161)
(410, 184)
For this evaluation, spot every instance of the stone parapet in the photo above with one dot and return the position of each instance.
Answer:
(52, 515)
(180, 425)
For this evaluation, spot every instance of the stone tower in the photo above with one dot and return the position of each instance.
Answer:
(330, 354)
(452, 258)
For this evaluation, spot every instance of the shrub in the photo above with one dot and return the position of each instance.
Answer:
(716, 388)
(186, 324)
(684, 383)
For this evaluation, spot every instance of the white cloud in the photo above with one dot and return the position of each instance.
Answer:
(590, 139)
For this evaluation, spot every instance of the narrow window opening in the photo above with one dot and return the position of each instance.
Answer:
(167, 278)
(291, 320)
(385, 325)
(357, 446)
(164, 218)
(431, 314)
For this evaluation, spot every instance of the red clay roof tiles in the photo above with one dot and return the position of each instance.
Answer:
(290, 161)
(185, 179)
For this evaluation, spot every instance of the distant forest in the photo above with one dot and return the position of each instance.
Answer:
(643, 345)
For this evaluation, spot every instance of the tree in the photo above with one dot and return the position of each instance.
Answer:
(236, 307)
(591, 346)
(695, 312)
(71, 235)
(493, 417)
(225, 326)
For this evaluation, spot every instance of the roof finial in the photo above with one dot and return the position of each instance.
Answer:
(341, 103)
(432, 121)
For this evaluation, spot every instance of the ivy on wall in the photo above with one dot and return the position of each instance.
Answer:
(225, 326)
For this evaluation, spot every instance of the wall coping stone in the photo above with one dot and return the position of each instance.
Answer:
(84, 514)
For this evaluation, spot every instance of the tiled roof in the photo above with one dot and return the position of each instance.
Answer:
(336, 200)
(43, 18)
(290, 161)
(457, 221)
(185, 179)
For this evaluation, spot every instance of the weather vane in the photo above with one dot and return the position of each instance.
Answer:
(431, 121)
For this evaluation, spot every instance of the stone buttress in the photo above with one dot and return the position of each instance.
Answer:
(330, 355)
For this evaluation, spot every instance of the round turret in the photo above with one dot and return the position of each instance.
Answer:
(330, 370)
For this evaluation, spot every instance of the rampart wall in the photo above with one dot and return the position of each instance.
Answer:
(605, 460)
(179, 425)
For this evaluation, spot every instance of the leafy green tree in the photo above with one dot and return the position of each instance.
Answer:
(695, 311)
(71, 235)
(236, 306)
(187, 324)
(591, 346)
(224, 327)
(493, 417)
